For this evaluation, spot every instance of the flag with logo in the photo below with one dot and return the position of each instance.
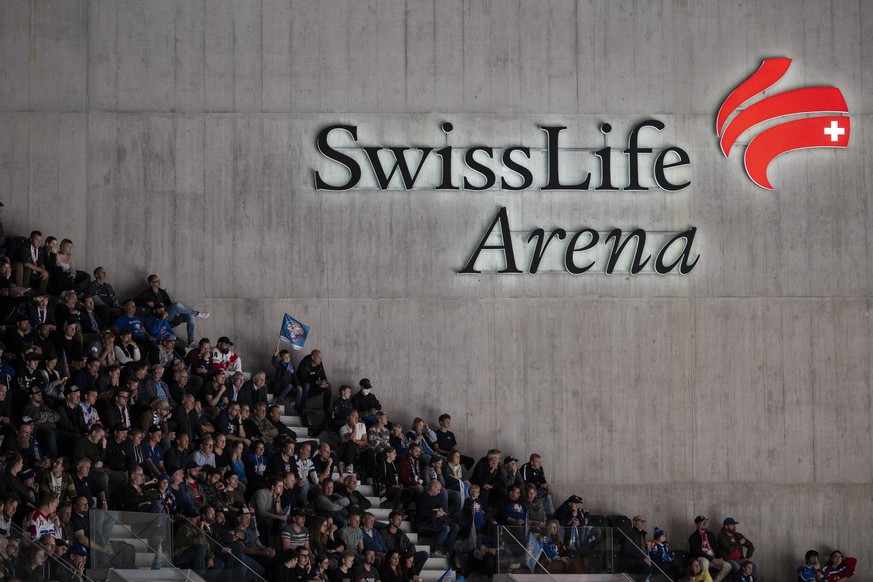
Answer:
(293, 331)
(533, 550)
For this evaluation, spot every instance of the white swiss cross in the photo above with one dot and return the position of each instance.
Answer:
(835, 131)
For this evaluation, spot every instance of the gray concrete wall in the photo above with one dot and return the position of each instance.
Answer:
(177, 137)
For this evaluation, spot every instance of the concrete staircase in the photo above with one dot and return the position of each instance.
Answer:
(433, 568)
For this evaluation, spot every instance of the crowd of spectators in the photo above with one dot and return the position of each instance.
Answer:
(102, 407)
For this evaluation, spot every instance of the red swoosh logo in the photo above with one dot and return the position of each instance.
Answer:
(817, 131)
(814, 132)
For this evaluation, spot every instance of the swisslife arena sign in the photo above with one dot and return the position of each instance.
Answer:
(810, 117)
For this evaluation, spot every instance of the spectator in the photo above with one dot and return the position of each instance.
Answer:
(255, 390)
(199, 361)
(268, 509)
(355, 450)
(43, 520)
(67, 276)
(313, 380)
(158, 323)
(126, 350)
(366, 571)
(130, 321)
(389, 484)
(223, 358)
(342, 406)
(535, 512)
(424, 437)
(294, 534)
(330, 504)
(734, 546)
(697, 573)
(366, 403)
(533, 472)
(512, 510)
(351, 534)
(446, 443)
(176, 312)
(38, 313)
(485, 475)
(285, 379)
(105, 299)
(634, 549)
(746, 573)
(411, 474)
(811, 569)
(29, 267)
(432, 518)
(839, 567)
(704, 547)
(662, 556)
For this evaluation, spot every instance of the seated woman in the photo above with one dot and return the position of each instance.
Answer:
(696, 573)
(67, 277)
(839, 567)
(426, 438)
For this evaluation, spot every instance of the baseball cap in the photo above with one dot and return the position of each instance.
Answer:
(699, 519)
(575, 499)
(224, 340)
(169, 338)
(79, 550)
(729, 521)
(69, 389)
(365, 383)
(120, 427)
(511, 459)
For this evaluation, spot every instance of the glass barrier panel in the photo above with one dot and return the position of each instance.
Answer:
(551, 549)
(640, 560)
(130, 540)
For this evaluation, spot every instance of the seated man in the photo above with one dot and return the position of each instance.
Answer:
(330, 504)
(571, 514)
(634, 549)
(39, 313)
(432, 517)
(158, 323)
(313, 380)
(223, 358)
(354, 448)
(29, 265)
(704, 547)
(366, 403)
(130, 321)
(105, 299)
(734, 546)
(512, 511)
(177, 313)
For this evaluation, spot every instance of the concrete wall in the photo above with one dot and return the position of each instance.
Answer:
(177, 137)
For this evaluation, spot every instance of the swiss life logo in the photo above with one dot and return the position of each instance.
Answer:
(827, 123)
